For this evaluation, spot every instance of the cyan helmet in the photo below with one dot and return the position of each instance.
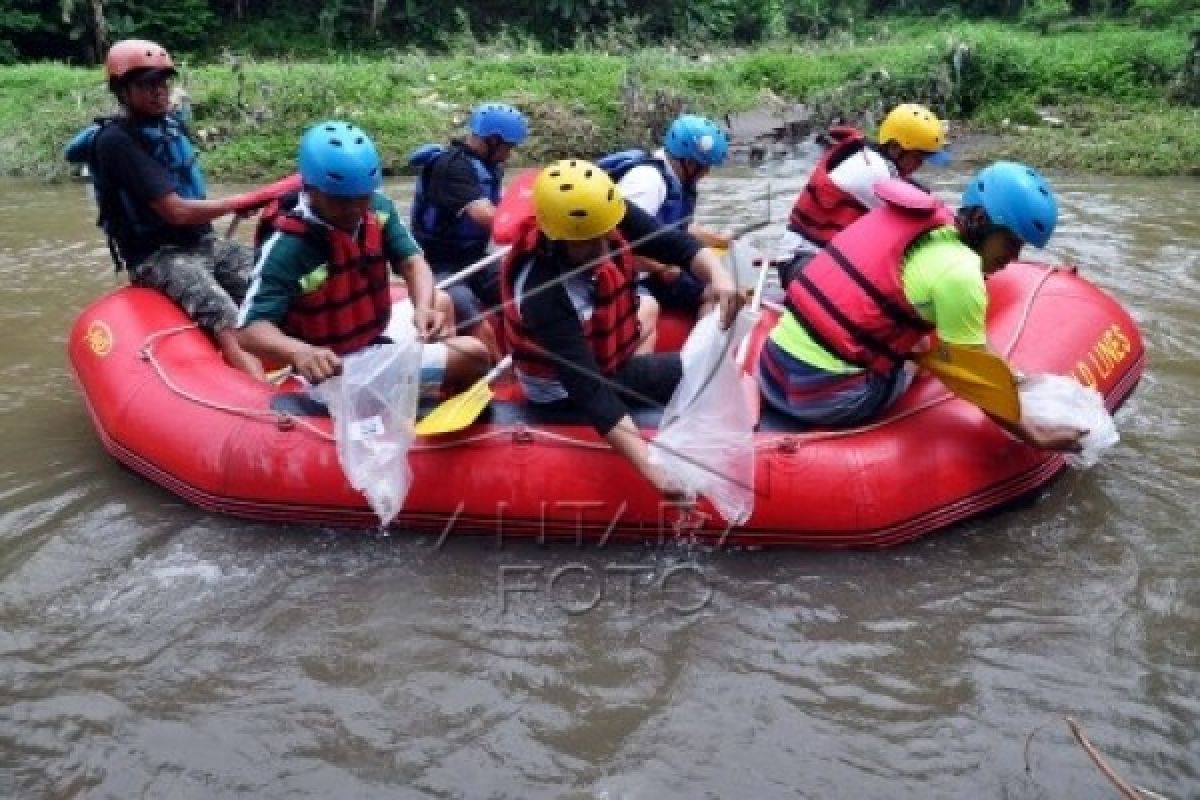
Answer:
(499, 119)
(339, 159)
(1016, 198)
(697, 138)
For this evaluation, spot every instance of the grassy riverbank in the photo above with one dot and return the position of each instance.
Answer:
(1104, 84)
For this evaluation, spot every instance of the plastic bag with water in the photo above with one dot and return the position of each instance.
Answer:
(706, 440)
(1057, 400)
(374, 404)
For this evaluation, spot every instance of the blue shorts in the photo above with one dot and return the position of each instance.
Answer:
(474, 296)
(826, 399)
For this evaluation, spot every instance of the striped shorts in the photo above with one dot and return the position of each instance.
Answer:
(826, 399)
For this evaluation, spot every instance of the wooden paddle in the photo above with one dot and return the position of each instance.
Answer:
(463, 409)
(977, 376)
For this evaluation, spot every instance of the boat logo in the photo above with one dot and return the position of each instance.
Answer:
(99, 337)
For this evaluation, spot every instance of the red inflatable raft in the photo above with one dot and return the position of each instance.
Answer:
(165, 404)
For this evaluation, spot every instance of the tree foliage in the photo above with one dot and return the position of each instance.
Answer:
(79, 30)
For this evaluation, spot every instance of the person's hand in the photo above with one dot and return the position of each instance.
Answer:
(316, 364)
(669, 488)
(1059, 438)
(429, 323)
(729, 302)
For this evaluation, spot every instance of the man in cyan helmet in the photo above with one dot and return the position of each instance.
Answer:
(570, 304)
(841, 187)
(320, 287)
(664, 185)
(859, 309)
(152, 202)
(458, 189)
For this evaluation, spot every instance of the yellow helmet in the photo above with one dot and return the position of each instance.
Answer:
(913, 127)
(576, 200)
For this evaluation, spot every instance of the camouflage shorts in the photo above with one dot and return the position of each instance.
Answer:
(208, 280)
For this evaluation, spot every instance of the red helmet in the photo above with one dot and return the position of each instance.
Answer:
(129, 55)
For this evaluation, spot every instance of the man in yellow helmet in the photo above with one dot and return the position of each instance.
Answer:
(569, 287)
(842, 185)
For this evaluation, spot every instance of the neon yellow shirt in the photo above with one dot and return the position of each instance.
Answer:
(943, 280)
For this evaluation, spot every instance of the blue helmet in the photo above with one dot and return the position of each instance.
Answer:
(1016, 198)
(697, 138)
(498, 119)
(339, 159)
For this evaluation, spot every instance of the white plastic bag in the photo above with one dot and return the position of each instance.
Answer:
(706, 440)
(373, 404)
(1056, 400)
(743, 263)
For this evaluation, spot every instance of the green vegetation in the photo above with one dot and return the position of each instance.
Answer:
(1107, 82)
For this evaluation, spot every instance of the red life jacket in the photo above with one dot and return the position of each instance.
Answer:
(612, 331)
(850, 296)
(823, 209)
(351, 308)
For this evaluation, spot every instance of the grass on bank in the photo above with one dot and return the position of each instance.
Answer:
(1107, 83)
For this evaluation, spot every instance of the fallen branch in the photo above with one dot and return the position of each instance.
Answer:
(1127, 790)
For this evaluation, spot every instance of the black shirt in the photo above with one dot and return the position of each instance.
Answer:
(453, 183)
(554, 324)
(450, 185)
(125, 165)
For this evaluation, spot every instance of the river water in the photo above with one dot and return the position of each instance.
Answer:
(148, 649)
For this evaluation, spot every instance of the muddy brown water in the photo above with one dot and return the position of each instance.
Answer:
(148, 649)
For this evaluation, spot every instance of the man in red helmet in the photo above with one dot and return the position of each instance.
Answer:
(152, 200)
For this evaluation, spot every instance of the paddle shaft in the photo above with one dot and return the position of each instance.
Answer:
(471, 269)
(496, 371)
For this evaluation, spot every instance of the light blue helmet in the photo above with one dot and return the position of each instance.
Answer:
(339, 159)
(697, 138)
(1016, 198)
(499, 119)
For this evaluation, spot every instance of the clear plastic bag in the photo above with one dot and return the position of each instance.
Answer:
(373, 404)
(1054, 400)
(706, 440)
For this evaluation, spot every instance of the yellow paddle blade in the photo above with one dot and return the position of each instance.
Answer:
(977, 376)
(456, 413)
(461, 410)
